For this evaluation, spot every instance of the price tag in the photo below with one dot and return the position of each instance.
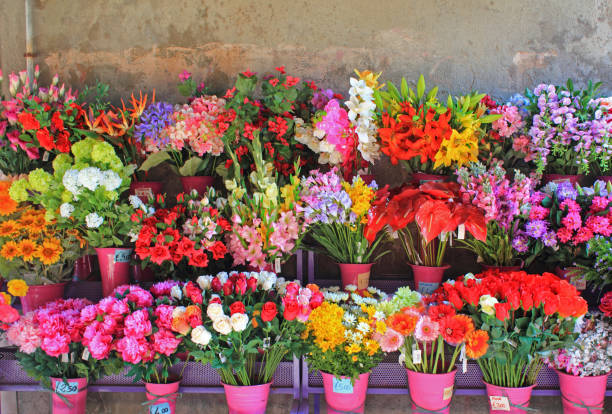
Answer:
(461, 232)
(363, 279)
(463, 360)
(85, 355)
(427, 288)
(448, 393)
(499, 403)
(65, 358)
(416, 356)
(45, 156)
(161, 408)
(69, 388)
(122, 255)
(144, 193)
(342, 386)
(578, 282)
(277, 265)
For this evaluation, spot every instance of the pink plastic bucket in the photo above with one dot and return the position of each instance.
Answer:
(427, 278)
(249, 399)
(69, 397)
(114, 267)
(342, 396)
(431, 392)
(146, 189)
(503, 400)
(39, 295)
(501, 268)
(355, 274)
(161, 398)
(582, 394)
(198, 183)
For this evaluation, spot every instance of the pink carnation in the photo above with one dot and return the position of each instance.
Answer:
(163, 315)
(572, 221)
(56, 345)
(564, 234)
(582, 236)
(133, 350)
(164, 342)
(137, 324)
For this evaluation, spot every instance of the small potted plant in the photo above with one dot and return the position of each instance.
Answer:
(338, 213)
(52, 351)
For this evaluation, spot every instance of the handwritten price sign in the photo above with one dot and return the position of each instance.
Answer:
(499, 403)
(122, 255)
(66, 388)
(161, 408)
(342, 386)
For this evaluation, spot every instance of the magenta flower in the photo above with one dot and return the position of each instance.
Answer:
(184, 75)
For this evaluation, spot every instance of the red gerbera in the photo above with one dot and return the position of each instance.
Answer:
(439, 312)
(456, 328)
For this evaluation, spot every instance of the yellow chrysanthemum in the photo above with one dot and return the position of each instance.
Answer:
(368, 309)
(49, 252)
(17, 287)
(381, 327)
(325, 326)
(371, 346)
(9, 228)
(352, 348)
(9, 250)
(27, 249)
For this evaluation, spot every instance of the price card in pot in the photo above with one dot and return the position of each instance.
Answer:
(161, 408)
(499, 403)
(342, 386)
(122, 255)
(66, 388)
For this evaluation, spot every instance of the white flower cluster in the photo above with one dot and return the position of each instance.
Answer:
(361, 110)
(93, 220)
(90, 178)
(224, 324)
(313, 138)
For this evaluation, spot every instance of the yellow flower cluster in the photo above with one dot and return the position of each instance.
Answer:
(361, 197)
(459, 149)
(17, 287)
(325, 326)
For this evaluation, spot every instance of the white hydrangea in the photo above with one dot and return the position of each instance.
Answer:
(90, 178)
(93, 220)
(66, 210)
(136, 202)
(110, 180)
(71, 181)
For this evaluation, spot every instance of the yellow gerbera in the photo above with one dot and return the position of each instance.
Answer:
(17, 287)
(9, 250)
(27, 249)
(49, 252)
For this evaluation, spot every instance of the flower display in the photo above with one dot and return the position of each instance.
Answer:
(181, 240)
(8, 314)
(524, 315)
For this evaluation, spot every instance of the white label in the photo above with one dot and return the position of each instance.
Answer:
(45, 156)
(427, 288)
(461, 232)
(65, 358)
(448, 393)
(122, 255)
(342, 385)
(85, 355)
(499, 403)
(363, 279)
(463, 359)
(144, 193)
(416, 356)
(277, 265)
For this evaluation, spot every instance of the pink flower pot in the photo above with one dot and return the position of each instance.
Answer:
(431, 392)
(606, 178)
(503, 400)
(427, 278)
(114, 267)
(582, 394)
(198, 183)
(69, 397)
(501, 268)
(39, 295)
(342, 396)
(566, 274)
(249, 399)
(83, 267)
(355, 274)
(146, 189)
(422, 178)
(142, 275)
(161, 398)
(559, 178)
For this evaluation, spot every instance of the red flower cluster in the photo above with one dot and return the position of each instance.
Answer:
(298, 302)
(190, 232)
(516, 291)
(606, 305)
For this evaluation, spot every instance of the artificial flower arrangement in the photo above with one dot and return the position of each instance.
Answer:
(524, 315)
(562, 220)
(83, 193)
(338, 212)
(243, 324)
(344, 138)
(182, 240)
(187, 136)
(8, 314)
(52, 343)
(270, 114)
(425, 135)
(268, 223)
(503, 201)
(567, 131)
(36, 122)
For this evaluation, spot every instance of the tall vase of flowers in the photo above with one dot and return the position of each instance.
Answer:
(338, 212)
(524, 315)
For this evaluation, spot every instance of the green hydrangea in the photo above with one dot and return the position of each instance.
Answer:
(19, 190)
(104, 153)
(111, 195)
(66, 196)
(40, 180)
(404, 297)
(82, 149)
(61, 164)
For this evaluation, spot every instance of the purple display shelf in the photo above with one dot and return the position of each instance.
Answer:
(197, 378)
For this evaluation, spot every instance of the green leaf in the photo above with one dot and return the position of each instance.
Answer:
(154, 160)
(421, 87)
(432, 94)
(404, 87)
(192, 166)
(393, 90)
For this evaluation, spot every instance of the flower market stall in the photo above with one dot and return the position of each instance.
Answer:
(219, 290)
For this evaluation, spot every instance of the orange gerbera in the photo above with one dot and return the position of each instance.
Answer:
(403, 323)
(456, 328)
(8, 228)
(7, 205)
(49, 252)
(9, 250)
(27, 249)
(38, 225)
(477, 344)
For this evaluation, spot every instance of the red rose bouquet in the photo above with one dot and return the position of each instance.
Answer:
(181, 240)
(525, 316)
(243, 324)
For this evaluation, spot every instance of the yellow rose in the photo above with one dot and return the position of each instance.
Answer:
(17, 287)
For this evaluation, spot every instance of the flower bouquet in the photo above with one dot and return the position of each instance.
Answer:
(525, 316)
(182, 240)
(8, 314)
(424, 218)
(503, 201)
(244, 325)
(83, 193)
(338, 212)
(268, 224)
(36, 122)
(343, 335)
(343, 138)
(52, 350)
(426, 136)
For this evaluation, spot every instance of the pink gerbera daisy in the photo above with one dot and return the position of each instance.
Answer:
(426, 330)
(390, 341)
